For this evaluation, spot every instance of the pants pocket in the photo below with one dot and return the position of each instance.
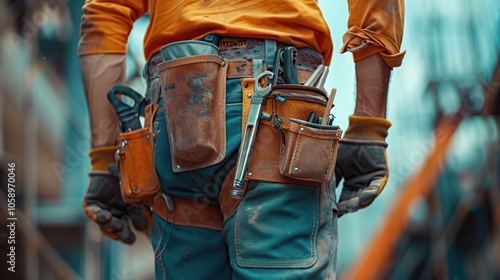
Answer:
(276, 225)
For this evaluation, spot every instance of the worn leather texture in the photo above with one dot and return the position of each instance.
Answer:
(247, 87)
(296, 101)
(138, 180)
(309, 153)
(194, 95)
(188, 212)
(299, 102)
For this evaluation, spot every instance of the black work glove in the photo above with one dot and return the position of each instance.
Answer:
(103, 202)
(362, 162)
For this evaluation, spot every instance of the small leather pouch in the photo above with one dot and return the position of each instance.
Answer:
(309, 151)
(138, 180)
(280, 146)
(194, 96)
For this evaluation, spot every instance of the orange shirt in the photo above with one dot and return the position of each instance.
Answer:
(106, 24)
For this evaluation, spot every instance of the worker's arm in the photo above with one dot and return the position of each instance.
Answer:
(374, 35)
(375, 31)
(372, 83)
(100, 72)
(102, 48)
(105, 28)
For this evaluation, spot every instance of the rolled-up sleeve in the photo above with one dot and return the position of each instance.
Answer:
(375, 26)
(106, 25)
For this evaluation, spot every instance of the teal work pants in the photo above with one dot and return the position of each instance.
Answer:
(278, 231)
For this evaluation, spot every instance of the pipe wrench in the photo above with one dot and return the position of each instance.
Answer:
(254, 115)
(128, 114)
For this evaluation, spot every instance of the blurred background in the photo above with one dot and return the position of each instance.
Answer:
(438, 218)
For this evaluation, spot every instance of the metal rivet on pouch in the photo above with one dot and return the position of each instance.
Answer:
(249, 173)
(135, 188)
(223, 63)
(282, 150)
(249, 95)
(295, 169)
(301, 129)
(221, 156)
(177, 167)
(325, 172)
(147, 136)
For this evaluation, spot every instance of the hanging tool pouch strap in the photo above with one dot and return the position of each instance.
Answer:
(139, 184)
(288, 149)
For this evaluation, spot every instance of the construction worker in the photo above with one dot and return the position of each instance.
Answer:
(279, 228)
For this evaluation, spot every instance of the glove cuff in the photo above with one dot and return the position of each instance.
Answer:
(367, 128)
(101, 157)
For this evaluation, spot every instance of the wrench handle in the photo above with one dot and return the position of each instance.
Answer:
(243, 156)
(254, 116)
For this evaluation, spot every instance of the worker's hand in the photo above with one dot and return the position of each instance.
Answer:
(362, 162)
(103, 202)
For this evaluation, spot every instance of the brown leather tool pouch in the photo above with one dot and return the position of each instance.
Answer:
(194, 96)
(309, 151)
(139, 184)
(285, 153)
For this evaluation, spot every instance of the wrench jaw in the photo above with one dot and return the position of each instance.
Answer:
(254, 116)
(258, 89)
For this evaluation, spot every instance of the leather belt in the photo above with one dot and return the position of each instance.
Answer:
(188, 212)
(241, 69)
(239, 53)
(234, 48)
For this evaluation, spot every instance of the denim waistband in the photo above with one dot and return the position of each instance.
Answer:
(235, 48)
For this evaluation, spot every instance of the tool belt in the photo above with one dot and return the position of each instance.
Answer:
(193, 94)
(193, 77)
(287, 148)
(249, 49)
(188, 212)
